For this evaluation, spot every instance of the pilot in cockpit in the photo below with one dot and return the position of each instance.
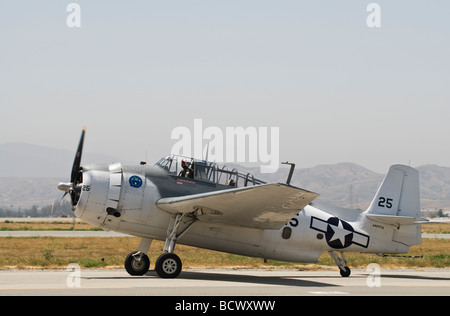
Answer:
(187, 169)
(184, 170)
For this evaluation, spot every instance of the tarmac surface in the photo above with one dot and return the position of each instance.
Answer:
(226, 282)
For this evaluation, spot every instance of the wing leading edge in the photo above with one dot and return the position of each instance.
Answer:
(267, 206)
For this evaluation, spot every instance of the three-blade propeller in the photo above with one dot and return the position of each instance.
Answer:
(73, 187)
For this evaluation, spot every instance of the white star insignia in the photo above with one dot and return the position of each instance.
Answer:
(339, 233)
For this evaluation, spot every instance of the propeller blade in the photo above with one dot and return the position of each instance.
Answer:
(77, 160)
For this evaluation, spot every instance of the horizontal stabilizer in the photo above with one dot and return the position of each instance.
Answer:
(266, 206)
(395, 220)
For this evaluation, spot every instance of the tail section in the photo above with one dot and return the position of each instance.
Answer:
(397, 203)
(399, 193)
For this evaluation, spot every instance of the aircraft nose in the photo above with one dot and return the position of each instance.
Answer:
(100, 193)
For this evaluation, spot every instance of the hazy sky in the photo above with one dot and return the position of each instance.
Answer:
(337, 90)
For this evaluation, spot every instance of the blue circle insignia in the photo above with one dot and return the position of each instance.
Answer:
(135, 181)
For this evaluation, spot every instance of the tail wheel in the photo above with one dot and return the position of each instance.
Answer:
(168, 266)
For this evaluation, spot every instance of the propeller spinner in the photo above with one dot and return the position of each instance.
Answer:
(73, 187)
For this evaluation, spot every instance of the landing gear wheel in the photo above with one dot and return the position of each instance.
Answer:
(137, 263)
(168, 266)
(345, 273)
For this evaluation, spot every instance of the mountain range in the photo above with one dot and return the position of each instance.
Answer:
(29, 175)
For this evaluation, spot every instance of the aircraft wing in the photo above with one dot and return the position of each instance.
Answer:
(266, 206)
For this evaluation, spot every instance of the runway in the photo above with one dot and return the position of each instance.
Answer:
(226, 282)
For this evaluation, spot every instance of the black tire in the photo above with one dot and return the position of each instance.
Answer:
(135, 267)
(168, 266)
(345, 273)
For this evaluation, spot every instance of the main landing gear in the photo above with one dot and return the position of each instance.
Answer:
(341, 263)
(168, 265)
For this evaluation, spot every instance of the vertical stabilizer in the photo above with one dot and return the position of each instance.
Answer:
(397, 203)
(399, 193)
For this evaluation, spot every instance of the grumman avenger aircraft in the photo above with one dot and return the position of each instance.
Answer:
(198, 203)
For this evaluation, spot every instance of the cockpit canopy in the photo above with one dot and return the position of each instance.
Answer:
(206, 171)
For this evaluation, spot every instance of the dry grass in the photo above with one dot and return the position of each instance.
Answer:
(52, 252)
(435, 252)
(45, 225)
(436, 228)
